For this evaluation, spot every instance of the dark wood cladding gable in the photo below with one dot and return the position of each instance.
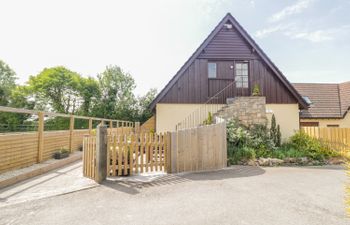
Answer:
(193, 86)
(227, 44)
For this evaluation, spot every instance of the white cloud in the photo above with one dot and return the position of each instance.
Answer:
(294, 32)
(313, 36)
(273, 29)
(296, 8)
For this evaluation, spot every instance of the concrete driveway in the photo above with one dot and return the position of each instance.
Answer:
(238, 195)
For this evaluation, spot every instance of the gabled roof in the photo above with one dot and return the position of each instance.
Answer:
(327, 100)
(229, 18)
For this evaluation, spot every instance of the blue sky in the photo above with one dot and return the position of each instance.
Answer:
(306, 39)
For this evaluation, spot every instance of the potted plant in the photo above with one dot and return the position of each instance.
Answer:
(63, 153)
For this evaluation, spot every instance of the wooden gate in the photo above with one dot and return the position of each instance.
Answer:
(136, 153)
(89, 156)
(128, 154)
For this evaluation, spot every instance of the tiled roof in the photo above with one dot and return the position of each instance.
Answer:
(327, 100)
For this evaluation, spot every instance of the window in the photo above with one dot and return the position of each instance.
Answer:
(242, 75)
(309, 124)
(332, 125)
(211, 70)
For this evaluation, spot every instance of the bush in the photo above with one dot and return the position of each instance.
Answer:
(244, 143)
(241, 154)
(312, 147)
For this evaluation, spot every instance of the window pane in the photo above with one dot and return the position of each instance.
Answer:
(245, 72)
(212, 70)
(245, 66)
(238, 66)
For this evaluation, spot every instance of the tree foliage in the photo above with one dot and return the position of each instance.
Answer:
(7, 83)
(59, 89)
(117, 99)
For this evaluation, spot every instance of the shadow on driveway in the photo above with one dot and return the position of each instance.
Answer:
(133, 185)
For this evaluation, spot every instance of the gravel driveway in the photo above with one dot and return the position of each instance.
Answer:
(238, 195)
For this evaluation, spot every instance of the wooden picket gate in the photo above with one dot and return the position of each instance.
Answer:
(89, 156)
(136, 153)
(128, 154)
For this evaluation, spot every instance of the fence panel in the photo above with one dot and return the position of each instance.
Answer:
(199, 149)
(337, 138)
(135, 153)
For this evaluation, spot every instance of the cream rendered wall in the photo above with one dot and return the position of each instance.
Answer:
(168, 115)
(287, 116)
(324, 122)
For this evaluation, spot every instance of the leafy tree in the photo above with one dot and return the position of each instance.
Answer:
(143, 110)
(12, 96)
(57, 89)
(117, 99)
(7, 82)
(89, 92)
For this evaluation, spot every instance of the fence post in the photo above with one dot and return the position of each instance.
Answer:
(40, 136)
(71, 130)
(168, 152)
(90, 126)
(101, 153)
(137, 127)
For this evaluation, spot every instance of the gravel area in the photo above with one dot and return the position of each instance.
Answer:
(238, 195)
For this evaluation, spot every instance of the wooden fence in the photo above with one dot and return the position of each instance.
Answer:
(128, 154)
(18, 150)
(337, 138)
(199, 149)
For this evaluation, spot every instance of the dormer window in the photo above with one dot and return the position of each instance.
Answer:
(307, 100)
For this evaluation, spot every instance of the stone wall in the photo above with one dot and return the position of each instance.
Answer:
(247, 110)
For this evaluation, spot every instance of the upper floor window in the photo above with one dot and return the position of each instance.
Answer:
(242, 75)
(211, 70)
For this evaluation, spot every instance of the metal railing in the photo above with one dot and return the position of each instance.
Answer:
(205, 113)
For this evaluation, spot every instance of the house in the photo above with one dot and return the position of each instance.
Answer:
(329, 104)
(227, 55)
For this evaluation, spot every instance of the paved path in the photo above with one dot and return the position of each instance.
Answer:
(239, 195)
(57, 182)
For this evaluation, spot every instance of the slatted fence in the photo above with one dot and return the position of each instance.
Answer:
(199, 149)
(128, 153)
(21, 149)
(337, 138)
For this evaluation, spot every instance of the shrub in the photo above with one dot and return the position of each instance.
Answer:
(312, 147)
(209, 120)
(256, 90)
(242, 154)
(237, 135)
